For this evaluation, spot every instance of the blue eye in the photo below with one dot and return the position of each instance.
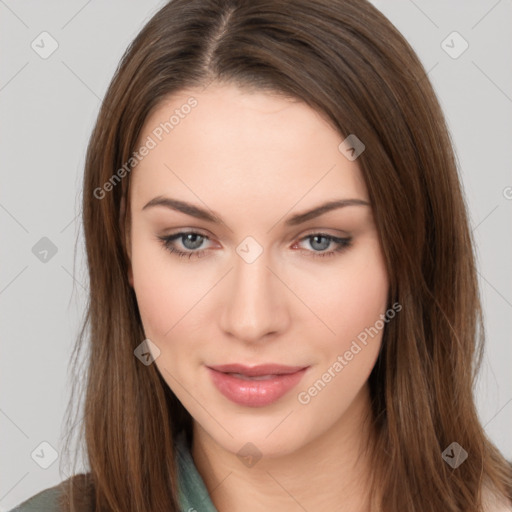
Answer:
(189, 240)
(321, 241)
(192, 241)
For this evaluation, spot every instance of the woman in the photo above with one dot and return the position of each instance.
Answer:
(284, 303)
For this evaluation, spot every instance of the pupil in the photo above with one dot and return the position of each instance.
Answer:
(192, 241)
(322, 246)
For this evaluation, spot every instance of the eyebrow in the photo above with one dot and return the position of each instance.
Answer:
(299, 218)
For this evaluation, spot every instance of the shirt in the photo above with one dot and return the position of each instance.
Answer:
(193, 495)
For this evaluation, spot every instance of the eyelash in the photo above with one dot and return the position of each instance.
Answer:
(342, 245)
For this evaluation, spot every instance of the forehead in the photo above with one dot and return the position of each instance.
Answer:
(248, 146)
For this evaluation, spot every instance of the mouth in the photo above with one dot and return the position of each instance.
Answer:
(255, 386)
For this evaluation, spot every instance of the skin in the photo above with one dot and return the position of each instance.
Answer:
(256, 159)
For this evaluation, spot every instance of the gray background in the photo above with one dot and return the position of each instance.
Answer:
(47, 109)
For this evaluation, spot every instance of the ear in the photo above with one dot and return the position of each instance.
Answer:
(125, 226)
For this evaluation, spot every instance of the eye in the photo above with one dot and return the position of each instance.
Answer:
(321, 241)
(190, 240)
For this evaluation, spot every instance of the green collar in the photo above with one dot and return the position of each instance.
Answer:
(194, 496)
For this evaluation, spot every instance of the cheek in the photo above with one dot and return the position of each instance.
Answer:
(365, 299)
(346, 298)
(352, 298)
(346, 358)
(171, 295)
(156, 286)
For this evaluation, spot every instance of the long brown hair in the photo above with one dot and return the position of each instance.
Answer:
(347, 61)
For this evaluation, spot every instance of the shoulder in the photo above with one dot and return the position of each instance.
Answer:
(44, 501)
(57, 498)
(495, 502)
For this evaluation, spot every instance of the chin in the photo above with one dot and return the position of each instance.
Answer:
(266, 437)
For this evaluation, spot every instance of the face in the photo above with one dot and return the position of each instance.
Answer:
(229, 268)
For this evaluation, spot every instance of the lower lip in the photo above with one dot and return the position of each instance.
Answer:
(255, 393)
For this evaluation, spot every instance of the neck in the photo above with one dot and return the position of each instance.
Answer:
(331, 472)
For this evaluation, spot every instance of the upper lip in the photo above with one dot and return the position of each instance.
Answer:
(258, 370)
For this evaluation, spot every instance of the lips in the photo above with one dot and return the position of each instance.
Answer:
(257, 371)
(255, 386)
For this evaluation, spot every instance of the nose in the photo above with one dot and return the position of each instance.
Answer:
(254, 305)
